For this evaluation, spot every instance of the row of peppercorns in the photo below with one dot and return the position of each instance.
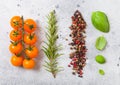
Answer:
(78, 58)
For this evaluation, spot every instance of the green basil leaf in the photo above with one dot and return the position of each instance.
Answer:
(100, 59)
(100, 21)
(100, 43)
(101, 72)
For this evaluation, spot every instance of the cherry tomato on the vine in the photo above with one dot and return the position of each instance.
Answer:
(15, 35)
(30, 25)
(28, 63)
(17, 60)
(31, 51)
(16, 22)
(15, 47)
(30, 39)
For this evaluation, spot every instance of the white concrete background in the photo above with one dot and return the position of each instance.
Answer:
(38, 9)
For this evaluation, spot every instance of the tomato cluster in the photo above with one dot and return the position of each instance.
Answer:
(23, 42)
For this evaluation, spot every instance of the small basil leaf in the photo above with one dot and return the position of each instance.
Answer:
(100, 43)
(100, 21)
(101, 72)
(100, 59)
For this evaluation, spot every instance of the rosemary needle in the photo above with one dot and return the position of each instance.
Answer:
(51, 49)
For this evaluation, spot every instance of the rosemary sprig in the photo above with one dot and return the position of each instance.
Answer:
(51, 49)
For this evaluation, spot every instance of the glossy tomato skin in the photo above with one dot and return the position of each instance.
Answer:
(17, 61)
(28, 63)
(30, 25)
(30, 39)
(15, 49)
(16, 22)
(32, 52)
(15, 35)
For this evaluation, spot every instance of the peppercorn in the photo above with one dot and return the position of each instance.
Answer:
(78, 59)
(69, 65)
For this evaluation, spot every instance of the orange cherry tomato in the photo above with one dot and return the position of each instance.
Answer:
(30, 39)
(28, 63)
(17, 61)
(15, 35)
(15, 47)
(31, 51)
(30, 25)
(16, 22)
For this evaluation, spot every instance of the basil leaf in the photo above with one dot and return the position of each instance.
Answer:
(100, 43)
(101, 72)
(100, 59)
(100, 21)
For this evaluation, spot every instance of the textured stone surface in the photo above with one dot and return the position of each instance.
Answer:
(38, 9)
